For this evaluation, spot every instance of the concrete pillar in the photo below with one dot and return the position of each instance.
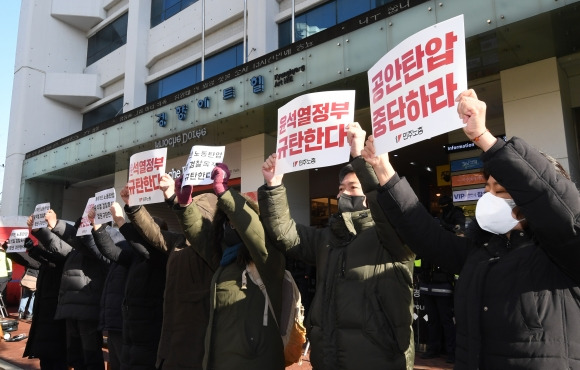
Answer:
(262, 36)
(536, 109)
(136, 54)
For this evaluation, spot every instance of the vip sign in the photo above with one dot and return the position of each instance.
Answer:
(467, 195)
(413, 87)
(312, 131)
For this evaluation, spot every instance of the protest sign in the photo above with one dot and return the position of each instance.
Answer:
(413, 87)
(311, 131)
(16, 241)
(38, 216)
(145, 169)
(85, 225)
(202, 159)
(103, 201)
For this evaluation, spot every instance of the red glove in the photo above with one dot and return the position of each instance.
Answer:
(183, 193)
(220, 176)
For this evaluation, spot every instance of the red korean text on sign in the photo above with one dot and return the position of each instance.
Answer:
(312, 113)
(144, 184)
(147, 165)
(419, 102)
(311, 140)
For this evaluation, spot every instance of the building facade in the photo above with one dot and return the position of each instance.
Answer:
(97, 81)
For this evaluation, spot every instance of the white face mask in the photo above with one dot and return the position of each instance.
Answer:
(494, 214)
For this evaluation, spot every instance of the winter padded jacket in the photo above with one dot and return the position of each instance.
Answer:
(236, 337)
(362, 313)
(84, 272)
(186, 301)
(142, 305)
(517, 300)
(111, 318)
(47, 336)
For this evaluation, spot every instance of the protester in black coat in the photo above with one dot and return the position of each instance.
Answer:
(111, 319)
(84, 273)
(517, 299)
(143, 294)
(47, 336)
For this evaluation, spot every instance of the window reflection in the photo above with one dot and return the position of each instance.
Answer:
(322, 17)
(214, 65)
(103, 113)
(162, 10)
(107, 40)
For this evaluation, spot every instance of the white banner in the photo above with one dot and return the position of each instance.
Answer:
(16, 241)
(413, 87)
(145, 170)
(103, 202)
(38, 216)
(85, 226)
(311, 131)
(202, 159)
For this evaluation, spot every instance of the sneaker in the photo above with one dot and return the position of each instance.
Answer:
(21, 315)
(29, 317)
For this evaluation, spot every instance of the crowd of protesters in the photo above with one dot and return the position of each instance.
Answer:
(183, 300)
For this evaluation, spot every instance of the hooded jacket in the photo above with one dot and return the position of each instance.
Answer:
(142, 304)
(517, 300)
(186, 297)
(236, 335)
(362, 313)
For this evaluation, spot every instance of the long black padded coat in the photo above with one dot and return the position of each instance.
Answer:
(142, 305)
(517, 300)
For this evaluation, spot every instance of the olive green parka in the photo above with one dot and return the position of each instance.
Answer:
(236, 336)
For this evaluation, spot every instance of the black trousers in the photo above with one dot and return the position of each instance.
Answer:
(84, 345)
(440, 324)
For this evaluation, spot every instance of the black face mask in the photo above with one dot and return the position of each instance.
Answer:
(348, 203)
(231, 237)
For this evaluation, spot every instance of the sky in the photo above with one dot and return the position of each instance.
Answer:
(9, 32)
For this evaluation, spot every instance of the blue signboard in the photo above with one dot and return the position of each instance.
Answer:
(466, 164)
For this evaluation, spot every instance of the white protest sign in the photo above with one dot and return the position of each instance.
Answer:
(103, 201)
(38, 216)
(16, 241)
(311, 131)
(145, 170)
(413, 87)
(85, 226)
(202, 159)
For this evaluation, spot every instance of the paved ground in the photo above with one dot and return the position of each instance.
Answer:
(11, 355)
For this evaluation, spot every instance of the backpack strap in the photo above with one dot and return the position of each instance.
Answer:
(256, 279)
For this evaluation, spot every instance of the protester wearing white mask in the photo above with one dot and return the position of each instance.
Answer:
(495, 214)
(517, 299)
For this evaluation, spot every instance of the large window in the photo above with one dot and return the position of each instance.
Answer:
(214, 65)
(322, 17)
(109, 39)
(165, 9)
(103, 113)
